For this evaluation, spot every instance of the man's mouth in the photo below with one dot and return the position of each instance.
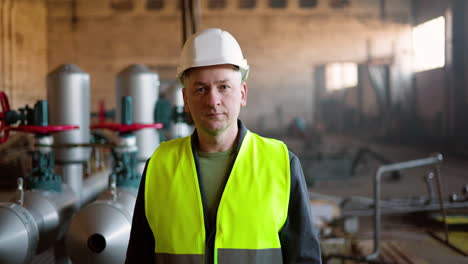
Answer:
(214, 114)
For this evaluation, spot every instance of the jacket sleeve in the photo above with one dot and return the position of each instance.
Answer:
(141, 243)
(299, 239)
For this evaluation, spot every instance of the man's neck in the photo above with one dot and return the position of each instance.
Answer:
(218, 143)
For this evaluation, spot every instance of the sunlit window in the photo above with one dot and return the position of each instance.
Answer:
(429, 44)
(341, 75)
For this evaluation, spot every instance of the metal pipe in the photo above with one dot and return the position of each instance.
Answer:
(434, 160)
(41, 221)
(50, 210)
(430, 187)
(19, 234)
(72, 175)
(94, 185)
(442, 207)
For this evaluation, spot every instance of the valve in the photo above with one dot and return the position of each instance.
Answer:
(34, 121)
(124, 172)
(127, 125)
(43, 130)
(5, 107)
(126, 128)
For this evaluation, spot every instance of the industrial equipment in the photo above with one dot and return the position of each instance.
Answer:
(179, 127)
(355, 206)
(68, 94)
(36, 219)
(142, 85)
(99, 232)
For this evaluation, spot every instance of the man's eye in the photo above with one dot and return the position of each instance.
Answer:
(224, 87)
(200, 89)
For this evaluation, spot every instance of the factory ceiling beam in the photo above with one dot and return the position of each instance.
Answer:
(191, 17)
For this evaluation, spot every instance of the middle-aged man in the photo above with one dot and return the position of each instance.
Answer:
(223, 195)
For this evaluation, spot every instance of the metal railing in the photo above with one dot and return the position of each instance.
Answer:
(435, 160)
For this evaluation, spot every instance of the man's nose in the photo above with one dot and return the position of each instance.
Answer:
(213, 97)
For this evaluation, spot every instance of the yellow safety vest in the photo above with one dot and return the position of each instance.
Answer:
(252, 210)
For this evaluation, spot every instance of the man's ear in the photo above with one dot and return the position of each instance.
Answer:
(244, 90)
(184, 94)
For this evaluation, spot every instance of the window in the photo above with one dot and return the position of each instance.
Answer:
(277, 3)
(154, 4)
(339, 3)
(341, 75)
(216, 4)
(307, 3)
(429, 45)
(122, 5)
(247, 4)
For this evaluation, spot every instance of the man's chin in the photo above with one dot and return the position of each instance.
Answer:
(215, 129)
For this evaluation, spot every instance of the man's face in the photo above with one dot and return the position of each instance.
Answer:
(213, 95)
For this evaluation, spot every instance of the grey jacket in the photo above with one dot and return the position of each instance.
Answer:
(299, 242)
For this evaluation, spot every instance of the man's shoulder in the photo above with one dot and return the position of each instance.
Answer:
(266, 139)
(171, 145)
(292, 157)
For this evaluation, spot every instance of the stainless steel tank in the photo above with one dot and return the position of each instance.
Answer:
(179, 128)
(19, 234)
(41, 220)
(99, 233)
(68, 96)
(142, 85)
(35, 226)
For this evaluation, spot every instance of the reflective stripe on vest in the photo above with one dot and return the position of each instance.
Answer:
(252, 210)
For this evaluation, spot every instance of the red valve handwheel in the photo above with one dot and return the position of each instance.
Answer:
(102, 112)
(5, 130)
(126, 128)
(43, 129)
(5, 107)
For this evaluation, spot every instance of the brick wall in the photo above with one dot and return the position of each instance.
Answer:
(281, 45)
(23, 50)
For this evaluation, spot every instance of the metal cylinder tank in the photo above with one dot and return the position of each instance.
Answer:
(179, 127)
(142, 85)
(36, 225)
(19, 234)
(99, 233)
(68, 96)
(42, 219)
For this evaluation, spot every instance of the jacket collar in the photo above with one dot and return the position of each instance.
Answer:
(240, 137)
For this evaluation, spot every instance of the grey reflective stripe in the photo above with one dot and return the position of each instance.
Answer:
(250, 256)
(165, 258)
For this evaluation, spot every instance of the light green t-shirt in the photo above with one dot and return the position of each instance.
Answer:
(214, 168)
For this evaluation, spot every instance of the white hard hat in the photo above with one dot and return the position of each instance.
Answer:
(211, 46)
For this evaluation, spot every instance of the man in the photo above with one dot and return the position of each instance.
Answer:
(223, 195)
